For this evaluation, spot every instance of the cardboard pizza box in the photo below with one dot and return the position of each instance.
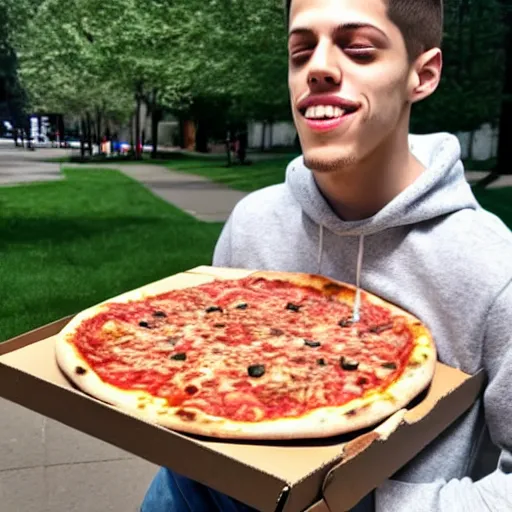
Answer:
(327, 475)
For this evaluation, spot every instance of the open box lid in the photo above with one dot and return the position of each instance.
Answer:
(289, 477)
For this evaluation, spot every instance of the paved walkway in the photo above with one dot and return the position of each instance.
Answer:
(19, 166)
(501, 182)
(205, 200)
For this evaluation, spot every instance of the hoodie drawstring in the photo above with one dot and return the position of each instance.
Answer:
(360, 254)
(320, 248)
(357, 301)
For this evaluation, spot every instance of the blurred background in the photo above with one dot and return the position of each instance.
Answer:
(150, 76)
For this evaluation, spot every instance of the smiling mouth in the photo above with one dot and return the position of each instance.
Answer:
(326, 112)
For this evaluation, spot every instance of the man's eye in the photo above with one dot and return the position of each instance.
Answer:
(360, 52)
(299, 56)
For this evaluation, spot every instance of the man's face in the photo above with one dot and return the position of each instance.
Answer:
(349, 79)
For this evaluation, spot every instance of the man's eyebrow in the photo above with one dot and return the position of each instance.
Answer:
(300, 31)
(356, 26)
(343, 27)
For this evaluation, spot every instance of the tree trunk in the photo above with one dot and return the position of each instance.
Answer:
(138, 100)
(98, 128)
(201, 137)
(263, 133)
(89, 132)
(504, 163)
(30, 143)
(155, 120)
(82, 138)
(155, 113)
(132, 135)
(460, 45)
(471, 144)
(228, 148)
(242, 143)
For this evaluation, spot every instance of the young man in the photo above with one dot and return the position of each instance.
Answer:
(364, 190)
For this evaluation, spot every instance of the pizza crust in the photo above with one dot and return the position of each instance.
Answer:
(323, 422)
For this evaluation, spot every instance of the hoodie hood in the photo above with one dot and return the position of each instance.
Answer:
(442, 189)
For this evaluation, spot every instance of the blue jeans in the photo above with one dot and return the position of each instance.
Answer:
(170, 492)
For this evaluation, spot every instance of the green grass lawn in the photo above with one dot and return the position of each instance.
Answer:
(497, 201)
(70, 244)
(251, 177)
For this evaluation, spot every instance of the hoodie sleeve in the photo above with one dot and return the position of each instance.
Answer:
(494, 492)
(222, 256)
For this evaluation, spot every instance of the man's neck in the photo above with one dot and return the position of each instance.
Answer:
(360, 192)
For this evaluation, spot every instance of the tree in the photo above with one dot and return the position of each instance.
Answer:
(59, 67)
(504, 161)
(469, 94)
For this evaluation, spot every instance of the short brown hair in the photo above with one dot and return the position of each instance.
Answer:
(419, 21)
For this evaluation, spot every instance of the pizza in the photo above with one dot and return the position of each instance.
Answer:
(268, 356)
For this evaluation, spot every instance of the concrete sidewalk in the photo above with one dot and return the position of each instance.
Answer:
(48, 467)
(19, 166)
(198, 196)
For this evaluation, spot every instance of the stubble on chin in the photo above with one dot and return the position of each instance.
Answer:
(329, 165)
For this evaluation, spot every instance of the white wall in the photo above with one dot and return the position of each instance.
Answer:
(485, 140)
(283, 134)
(485, 143)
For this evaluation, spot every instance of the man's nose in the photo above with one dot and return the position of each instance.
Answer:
(324, 72)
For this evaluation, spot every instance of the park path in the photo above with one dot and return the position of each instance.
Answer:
(19, 166)
(198, 196)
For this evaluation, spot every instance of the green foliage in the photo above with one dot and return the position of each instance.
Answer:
(221, 60)
(473, 69)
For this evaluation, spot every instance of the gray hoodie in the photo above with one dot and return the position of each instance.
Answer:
(435, 252)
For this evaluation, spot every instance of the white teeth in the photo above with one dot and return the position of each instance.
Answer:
(338, 112)
(321, 111)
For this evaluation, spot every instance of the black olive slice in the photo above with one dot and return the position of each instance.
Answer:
(179, 357)
(256, 370)
(312, 344)
(214, 309)
(293, 307)
(348, 365)
(191, 390)
(377, 329)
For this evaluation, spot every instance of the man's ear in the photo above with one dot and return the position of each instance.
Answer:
(425, 75)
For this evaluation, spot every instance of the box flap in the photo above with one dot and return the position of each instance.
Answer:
(381, 453)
